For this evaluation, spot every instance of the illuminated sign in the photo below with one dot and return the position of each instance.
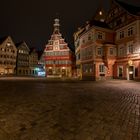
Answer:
(130, 62)
(41, 73)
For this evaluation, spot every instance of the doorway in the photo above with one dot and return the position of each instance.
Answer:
(131, 73)
(63, 72)
(120, 72)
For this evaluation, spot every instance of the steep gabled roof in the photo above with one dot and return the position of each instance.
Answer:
(20, 43)
(33, 49)
(134, 10)
(40, 53)
(99, 24)
(95, 23)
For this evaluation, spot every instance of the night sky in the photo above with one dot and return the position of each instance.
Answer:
(32, 20)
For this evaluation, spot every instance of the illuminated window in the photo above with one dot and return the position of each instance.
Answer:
(101, 68)
(2, 49)
(8, 44)
(56, 47)
(21, 51)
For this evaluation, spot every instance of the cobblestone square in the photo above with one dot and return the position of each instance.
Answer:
(40, 109)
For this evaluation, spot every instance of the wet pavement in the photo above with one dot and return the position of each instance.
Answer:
(40, 109)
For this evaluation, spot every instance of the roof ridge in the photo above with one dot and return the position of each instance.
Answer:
(132, 9)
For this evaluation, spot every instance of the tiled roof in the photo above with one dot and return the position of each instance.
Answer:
(33, 49)
(135, 10)
(40, 53)
(99, 24)
(18, 44)
(95, 23)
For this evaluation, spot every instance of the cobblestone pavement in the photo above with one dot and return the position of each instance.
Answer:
(69, 110)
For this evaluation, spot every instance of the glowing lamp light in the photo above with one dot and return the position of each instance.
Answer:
(100, 13)
(63, 68)
(139, 48)
(130, 62)
(41, 73)
(131, 72)
(37, 69)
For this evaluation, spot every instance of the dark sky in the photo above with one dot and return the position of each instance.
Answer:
(32, 20)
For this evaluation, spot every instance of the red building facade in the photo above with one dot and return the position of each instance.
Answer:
(58, 56)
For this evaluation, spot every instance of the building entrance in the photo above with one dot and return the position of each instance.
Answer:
(63, 72)
(120, 72)
(131, 73)
(50, 72)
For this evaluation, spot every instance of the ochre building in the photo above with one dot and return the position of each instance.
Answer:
(8, 54)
